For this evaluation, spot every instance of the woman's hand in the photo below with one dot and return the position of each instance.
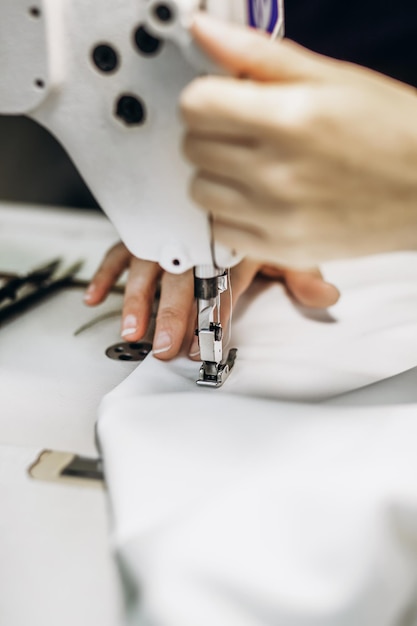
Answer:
(299, 158)
(176, 318)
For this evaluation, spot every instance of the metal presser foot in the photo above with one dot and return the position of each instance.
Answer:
(210, 283)
(215, 374)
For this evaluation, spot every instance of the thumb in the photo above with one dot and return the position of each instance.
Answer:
(244, 51)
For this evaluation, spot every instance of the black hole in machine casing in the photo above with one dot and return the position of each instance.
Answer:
(164, 13)
(146, 43)
(130, 110)
(35, 11)
(105, 58)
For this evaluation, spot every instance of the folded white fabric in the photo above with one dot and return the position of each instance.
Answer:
(237, 507)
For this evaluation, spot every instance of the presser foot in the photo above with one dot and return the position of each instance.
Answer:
(215, 374)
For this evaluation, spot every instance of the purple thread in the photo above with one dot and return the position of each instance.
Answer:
(271, 5)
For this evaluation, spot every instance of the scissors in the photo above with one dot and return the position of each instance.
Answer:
(19, 292)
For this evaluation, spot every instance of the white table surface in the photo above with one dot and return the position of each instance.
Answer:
(55, 561)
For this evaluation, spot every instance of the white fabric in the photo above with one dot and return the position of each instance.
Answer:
(237, 507)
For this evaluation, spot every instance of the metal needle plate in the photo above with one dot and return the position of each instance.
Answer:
(129, 351)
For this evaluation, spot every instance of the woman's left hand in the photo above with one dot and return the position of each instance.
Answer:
(299, 158)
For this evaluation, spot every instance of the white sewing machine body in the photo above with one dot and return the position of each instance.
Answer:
(104, 77)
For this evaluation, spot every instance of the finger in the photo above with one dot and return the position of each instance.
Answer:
(175, 309)
(219, 155)
(247, 52)
(241, 277)
(224, 198)
(209, 104)
(242, 109)
(246, 241)
(310, 289)
(112, 267)
(139, 296)
(191, 339)
(278, 272)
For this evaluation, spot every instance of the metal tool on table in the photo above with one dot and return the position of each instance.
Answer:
(105, 79)
(20, 292)
(67, 467)
(9, 291)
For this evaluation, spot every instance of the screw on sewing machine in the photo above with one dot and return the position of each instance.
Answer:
(146, 43)
(35, 11)
(130, 110)
(105, 58)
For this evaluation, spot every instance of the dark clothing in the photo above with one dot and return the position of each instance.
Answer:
(379, 34)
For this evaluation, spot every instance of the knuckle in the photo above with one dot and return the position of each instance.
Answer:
(192, 97)
(134, 304)
(298, 113)
(172, 315)
(138, 296)
(279, 183)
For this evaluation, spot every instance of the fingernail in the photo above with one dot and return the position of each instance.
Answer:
(194, 348)
(334, 293)
(89, 293)
(129, 325)
(162, 343)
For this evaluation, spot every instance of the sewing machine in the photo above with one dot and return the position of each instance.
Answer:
(104, 77)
